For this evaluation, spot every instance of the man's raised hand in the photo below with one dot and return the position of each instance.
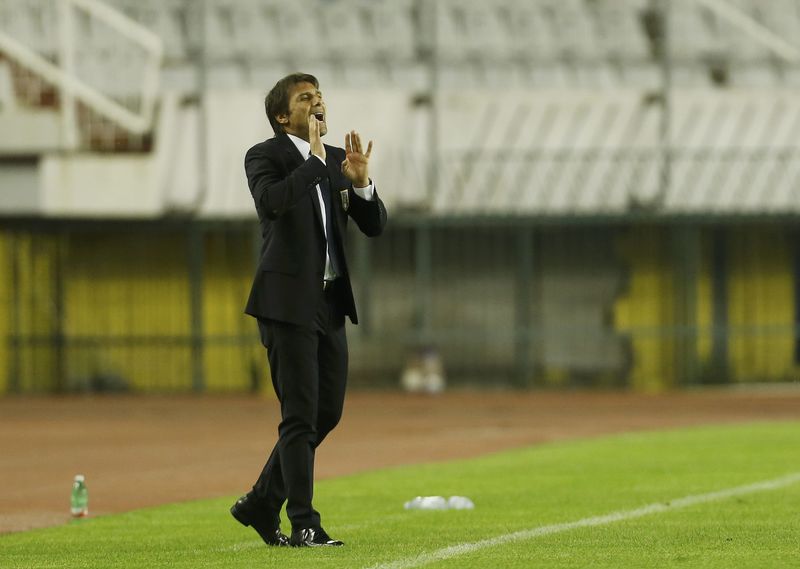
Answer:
(355, 165)
(317, 148)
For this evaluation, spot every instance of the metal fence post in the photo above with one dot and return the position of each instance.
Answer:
(423, 283)
(15, 309)
(363, 268)
(796, 269)
(196, 258)
(523, 329)
(719, 371)
(686, 262)
(59, 329)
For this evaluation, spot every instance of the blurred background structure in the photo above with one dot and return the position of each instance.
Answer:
(581, 192)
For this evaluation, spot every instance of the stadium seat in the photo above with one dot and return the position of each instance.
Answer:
(221, 30)
(530, 35)
(389, 28)
(619, 30)
(171, 20)
(257, 27)
(32, 23)
(8, 99)
(295, 26)
(780, 16)
(754, 75)
(691, 37)
(575, 34)
(791, 77)
(342, 27)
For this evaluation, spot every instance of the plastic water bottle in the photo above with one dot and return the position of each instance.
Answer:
(79, 500)
(427, 503)
(440, 503)
(460, 503)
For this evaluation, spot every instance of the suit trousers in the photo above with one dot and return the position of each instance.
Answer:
(309, 374)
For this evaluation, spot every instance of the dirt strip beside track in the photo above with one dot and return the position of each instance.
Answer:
(145, 451)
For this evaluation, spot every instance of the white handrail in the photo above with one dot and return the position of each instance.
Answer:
(122, 23)
(138, 123)
(769, 39)
(134, 31)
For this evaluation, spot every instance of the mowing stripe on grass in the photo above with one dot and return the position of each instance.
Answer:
(258, 544)
(657, 508)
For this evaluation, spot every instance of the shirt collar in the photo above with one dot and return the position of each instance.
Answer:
(302, 145)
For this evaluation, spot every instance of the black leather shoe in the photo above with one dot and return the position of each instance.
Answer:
(313, 537)
(246, 515)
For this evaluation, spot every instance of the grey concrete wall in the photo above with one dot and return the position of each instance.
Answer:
(19, 187)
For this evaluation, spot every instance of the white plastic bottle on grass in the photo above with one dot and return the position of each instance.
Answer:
(79, 500)
(460, 503)
(440, 503)
(427, 503)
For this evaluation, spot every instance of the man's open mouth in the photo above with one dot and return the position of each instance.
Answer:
(320, 117)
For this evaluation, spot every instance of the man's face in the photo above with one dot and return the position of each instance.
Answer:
(304, 100)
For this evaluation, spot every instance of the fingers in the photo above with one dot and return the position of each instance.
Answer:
(313, 127)
(314, 137)
(352, 143)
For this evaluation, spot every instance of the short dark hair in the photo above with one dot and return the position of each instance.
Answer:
(277, 100)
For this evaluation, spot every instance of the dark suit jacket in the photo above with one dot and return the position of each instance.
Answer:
(288, 283)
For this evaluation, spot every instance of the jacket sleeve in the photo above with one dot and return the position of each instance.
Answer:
(370, 216)
(274, 191)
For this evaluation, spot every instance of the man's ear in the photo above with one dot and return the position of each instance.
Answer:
(282, 119)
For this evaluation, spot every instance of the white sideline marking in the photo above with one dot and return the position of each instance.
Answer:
(657, 508)
(241, 546)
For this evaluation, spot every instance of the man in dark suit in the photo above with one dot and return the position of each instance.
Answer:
(304, 192)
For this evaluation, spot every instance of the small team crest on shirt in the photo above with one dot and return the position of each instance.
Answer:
(345, 195)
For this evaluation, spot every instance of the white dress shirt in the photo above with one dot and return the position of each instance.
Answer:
(367, 193)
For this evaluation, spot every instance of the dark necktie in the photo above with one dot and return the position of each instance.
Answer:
(333, 247)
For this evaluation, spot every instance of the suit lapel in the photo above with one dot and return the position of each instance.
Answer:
(334, 173)
(293, 156)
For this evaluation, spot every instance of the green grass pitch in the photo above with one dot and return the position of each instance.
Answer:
(512, 491)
